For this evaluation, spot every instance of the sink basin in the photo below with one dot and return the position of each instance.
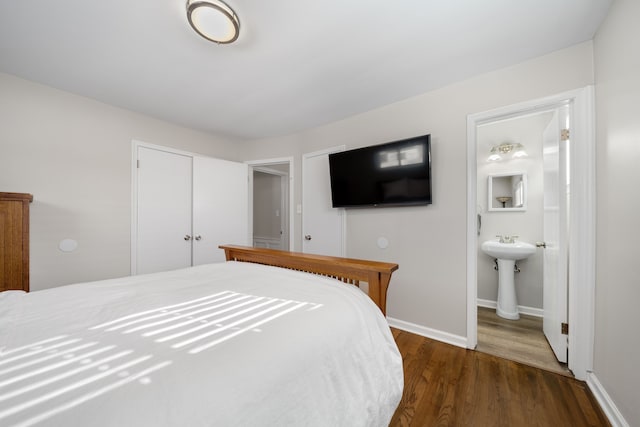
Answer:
(507, 254)
(512, 251)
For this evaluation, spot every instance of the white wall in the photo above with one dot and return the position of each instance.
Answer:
(617, 342)
(429, 243)
(528, 225)
(74, 155)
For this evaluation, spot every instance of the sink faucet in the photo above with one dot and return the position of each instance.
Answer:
(506, 238)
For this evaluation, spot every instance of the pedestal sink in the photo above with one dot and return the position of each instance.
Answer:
(507, 254)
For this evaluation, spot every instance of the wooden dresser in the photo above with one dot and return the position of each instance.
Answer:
(14, 241)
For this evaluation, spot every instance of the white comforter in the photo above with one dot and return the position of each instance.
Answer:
(231, 344)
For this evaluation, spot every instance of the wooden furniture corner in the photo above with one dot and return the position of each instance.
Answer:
(14, 241)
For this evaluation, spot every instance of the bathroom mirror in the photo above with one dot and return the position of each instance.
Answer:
(507, 192)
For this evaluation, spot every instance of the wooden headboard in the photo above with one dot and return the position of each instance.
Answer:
(376, 274)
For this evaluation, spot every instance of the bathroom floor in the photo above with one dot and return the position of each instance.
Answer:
(518, 340)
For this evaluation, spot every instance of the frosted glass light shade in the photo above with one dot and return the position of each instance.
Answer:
(515, 150)
(214, 20)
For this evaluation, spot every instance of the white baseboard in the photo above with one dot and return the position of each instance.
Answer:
(523, 309)
(457, 340)
(606, 403)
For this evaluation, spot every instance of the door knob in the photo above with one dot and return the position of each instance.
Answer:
(187, 237)
(541, 244)
(197, 237)
(307, 237)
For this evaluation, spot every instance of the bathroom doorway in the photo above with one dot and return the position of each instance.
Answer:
(522, 171)
(523, 214)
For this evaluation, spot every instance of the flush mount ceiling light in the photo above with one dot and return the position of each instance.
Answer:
(214, 20)
(499, 151)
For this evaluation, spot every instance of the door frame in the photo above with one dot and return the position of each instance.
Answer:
(265, 163)
(343, 223)
(284, 196)
(582, 219)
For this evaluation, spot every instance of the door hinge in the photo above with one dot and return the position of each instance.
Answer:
(564, 328)
(138, 164)
(564, 134)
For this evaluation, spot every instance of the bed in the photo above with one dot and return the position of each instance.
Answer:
(254, 341)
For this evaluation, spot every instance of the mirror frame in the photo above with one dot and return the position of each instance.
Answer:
(490, 198)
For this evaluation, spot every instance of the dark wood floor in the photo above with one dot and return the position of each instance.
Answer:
(451, 386)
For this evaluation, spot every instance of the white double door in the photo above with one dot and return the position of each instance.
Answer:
(185, 207)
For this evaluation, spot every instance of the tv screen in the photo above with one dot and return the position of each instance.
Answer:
(394, 174)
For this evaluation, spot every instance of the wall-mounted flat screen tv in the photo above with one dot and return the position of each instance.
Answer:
(393, 174)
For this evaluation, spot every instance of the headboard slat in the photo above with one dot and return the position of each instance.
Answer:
(377, 274)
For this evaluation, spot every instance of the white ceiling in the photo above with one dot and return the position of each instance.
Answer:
(297, 63)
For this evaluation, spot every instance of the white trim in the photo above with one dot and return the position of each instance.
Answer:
(522, 309)
(606, 403)
(286, 205)
(272, 161)
(330, 150)
(133, 229)
(472, 233)
(457, 340)
(582, 239)
(138, 143)
(582, 234)
(257, 165)
(305, 156)
(270, 171)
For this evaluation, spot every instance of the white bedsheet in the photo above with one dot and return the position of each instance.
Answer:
(215, 345)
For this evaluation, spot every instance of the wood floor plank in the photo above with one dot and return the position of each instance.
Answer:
(521, 340)
(451, 386)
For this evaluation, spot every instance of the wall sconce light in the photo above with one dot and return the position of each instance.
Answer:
(499, 152)
(214, 20)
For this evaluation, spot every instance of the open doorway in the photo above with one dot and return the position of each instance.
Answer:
(271, 203)
(270, 215)
(522, 194)
(581, 236)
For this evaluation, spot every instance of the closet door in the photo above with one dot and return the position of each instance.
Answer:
(164, 211)
(220, 207)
